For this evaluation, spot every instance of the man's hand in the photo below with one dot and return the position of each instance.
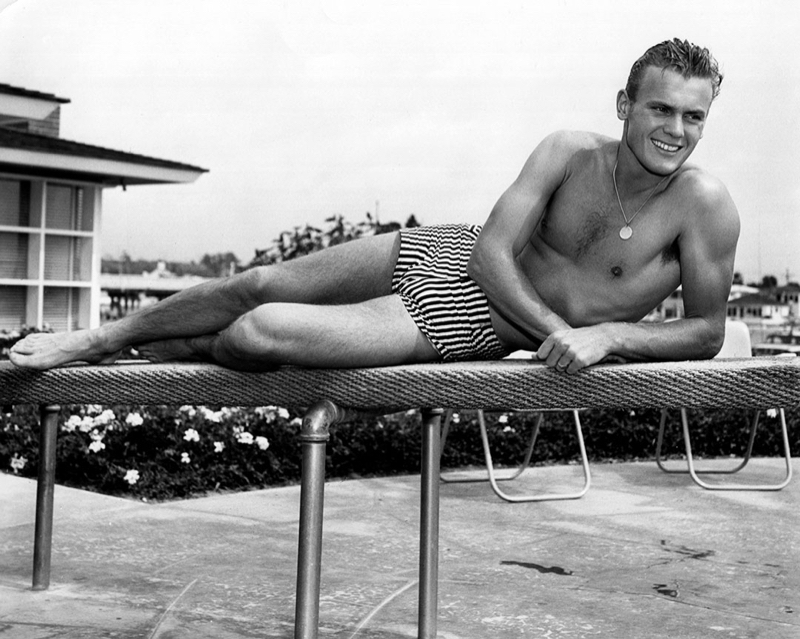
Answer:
(570, 350)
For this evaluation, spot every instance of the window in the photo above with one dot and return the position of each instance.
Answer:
(61, 308)
(13, 301)
(66, 259)
(13, 256)
(46, 244)
(66, 208)
(15, 203)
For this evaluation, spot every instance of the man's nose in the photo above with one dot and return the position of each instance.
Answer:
(674, 126)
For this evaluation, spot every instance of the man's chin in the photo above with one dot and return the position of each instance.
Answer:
(663, 167)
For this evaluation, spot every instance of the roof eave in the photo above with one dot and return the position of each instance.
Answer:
(107, 171)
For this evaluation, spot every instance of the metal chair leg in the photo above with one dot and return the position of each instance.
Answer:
(468, 480)
(45, 491)
(547, 496)
(429, 525)
(760, 487)
(685, 471)
(694, 472)
(314, 436)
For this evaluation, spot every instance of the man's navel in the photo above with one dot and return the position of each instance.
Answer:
(616, 271)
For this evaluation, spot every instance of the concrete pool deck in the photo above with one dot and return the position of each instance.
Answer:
(643, 554)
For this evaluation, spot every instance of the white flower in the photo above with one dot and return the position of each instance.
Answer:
(509, 429)
(96, 436)
(212, 416)
(132, 476)
(503, 419)
(244, 438)
(106, 417)
(96, 446)
(219, 447)
(772, 412)
(455, 419)
(189, 410)
(263, 442)
(18, 463)
(191, 435)
(283, 413)
(134, 419)
(72, 423)
(94, 409)
(297, 421)
(185, 459)
(87, 424)
(267, 412)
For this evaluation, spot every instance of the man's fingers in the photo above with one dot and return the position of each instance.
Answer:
(544, 348)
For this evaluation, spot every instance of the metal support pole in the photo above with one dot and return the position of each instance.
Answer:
(314, 436)
(429, 524)
(45, 487)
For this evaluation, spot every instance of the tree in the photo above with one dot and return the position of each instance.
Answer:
(220, 264)
(769, 281)
(303, 240)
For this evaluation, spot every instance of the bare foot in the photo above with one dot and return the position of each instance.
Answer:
(182, 349)
(46, 350)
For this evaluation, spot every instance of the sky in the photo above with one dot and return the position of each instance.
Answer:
(303, 109)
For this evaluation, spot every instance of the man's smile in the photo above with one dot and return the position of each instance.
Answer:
(669, 148)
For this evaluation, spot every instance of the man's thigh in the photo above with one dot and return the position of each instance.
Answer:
(377, 332)
(347, 273)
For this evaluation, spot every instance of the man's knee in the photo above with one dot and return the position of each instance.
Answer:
(253, 336)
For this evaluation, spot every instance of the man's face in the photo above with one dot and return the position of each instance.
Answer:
(666, 121)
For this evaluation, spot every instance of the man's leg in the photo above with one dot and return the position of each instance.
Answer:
(344, 274)
(377, 332)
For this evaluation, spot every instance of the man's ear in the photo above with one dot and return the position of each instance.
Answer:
(623, 105)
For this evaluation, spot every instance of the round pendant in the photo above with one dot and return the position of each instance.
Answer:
(625, 232)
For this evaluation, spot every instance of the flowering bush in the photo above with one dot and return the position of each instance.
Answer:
(158, 452)
(166, 452)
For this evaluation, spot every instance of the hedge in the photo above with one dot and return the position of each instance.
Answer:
(161, 453)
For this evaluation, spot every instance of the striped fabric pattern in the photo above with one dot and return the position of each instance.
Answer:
(448, 307)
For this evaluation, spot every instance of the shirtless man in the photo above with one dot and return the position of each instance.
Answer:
(592, 235)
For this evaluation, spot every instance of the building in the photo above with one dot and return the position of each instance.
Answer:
(790, 294)
(672, 307)
(51, 212)
(125, 293)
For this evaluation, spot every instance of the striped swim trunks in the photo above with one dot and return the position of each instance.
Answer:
(447, 306)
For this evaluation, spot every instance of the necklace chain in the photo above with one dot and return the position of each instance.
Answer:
(626, 231)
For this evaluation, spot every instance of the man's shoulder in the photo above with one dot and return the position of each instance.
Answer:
(701, 186)
(713, 212)
(569, 149)
(579, 140)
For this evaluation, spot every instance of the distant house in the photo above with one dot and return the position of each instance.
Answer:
(758, 307)
(51, 211)
(790, 294)
(123, 293)
(672, 307)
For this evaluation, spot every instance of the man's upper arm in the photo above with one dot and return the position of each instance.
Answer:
(707, 251)
(519, 210)
(493, 264)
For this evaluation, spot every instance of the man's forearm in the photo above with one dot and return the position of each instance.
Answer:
(515, 298)
(689, 338)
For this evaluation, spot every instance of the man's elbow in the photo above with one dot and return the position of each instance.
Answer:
(476, 266)
(711, 346)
